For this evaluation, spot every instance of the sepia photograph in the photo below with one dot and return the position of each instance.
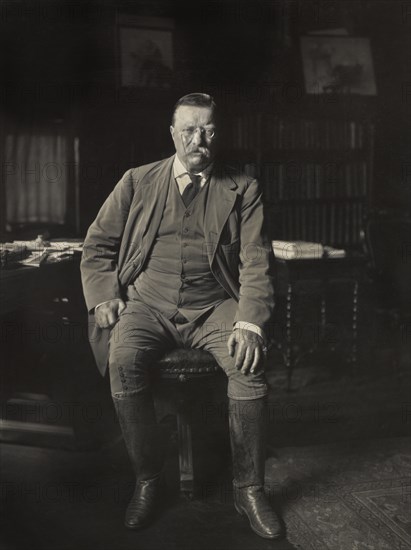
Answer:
(205, 268)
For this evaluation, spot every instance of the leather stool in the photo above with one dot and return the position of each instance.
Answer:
(186, 369)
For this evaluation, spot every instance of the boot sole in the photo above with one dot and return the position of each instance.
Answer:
(242, 512)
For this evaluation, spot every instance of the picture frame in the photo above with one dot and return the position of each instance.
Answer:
(145, 47)
(338, 64)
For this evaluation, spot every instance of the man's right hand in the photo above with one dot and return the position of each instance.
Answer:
(107, 313)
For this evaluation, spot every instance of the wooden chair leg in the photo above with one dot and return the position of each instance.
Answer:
(185, 452)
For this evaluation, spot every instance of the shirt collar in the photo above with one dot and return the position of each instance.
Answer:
(179, 169)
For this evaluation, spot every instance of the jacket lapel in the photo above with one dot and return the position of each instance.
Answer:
(220, 202)
(154, 194)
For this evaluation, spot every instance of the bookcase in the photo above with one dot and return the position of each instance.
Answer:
(316, 169)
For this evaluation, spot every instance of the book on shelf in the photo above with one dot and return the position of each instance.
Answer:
(315, 171)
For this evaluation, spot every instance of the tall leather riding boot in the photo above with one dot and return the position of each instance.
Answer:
(247, 421)
(145, 447)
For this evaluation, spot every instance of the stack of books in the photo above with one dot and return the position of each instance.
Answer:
(297, 250)
(303, 250)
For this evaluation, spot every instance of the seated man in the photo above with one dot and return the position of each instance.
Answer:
(177, 258)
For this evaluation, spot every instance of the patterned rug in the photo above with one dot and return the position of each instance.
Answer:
(345, 496)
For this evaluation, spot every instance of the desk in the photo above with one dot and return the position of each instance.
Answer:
(48, 376)
(318, 276)
(23, 286)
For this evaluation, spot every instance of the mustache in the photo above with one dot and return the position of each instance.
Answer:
(201, 150)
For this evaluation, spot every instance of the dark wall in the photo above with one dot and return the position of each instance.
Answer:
(60, 61)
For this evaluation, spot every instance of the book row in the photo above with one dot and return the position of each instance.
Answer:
(306, 180)
(252, 131)
(334, 223)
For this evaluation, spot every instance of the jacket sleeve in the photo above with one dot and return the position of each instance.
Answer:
(99, 263)
(256, 296)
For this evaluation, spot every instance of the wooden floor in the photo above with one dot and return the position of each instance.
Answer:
(62, 500)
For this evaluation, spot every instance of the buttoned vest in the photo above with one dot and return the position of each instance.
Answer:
(177, 275)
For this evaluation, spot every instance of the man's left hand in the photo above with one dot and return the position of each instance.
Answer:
(249, 347)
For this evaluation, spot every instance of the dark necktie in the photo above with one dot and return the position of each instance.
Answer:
(191, 189)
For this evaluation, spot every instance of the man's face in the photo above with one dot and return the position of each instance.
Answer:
(193, 134)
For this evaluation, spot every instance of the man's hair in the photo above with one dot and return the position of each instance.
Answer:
(194, 100)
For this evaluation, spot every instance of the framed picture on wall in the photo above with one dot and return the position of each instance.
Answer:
(145, 51)
(338, 64)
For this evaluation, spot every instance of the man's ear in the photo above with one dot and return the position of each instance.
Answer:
(172, 131)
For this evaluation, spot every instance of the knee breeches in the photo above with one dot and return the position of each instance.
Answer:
(142, 335)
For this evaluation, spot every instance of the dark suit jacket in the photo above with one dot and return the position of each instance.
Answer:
(120, 239)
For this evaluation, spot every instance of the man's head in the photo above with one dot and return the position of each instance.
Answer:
(193, 129)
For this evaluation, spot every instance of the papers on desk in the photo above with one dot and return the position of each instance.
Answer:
(35, 259)
(59, 250)
(35, 253)
(51, 246)
(74, 246)
(304, 250)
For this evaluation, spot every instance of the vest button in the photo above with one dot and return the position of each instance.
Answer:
(186, 230)
(185, 244)
(187, 214)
